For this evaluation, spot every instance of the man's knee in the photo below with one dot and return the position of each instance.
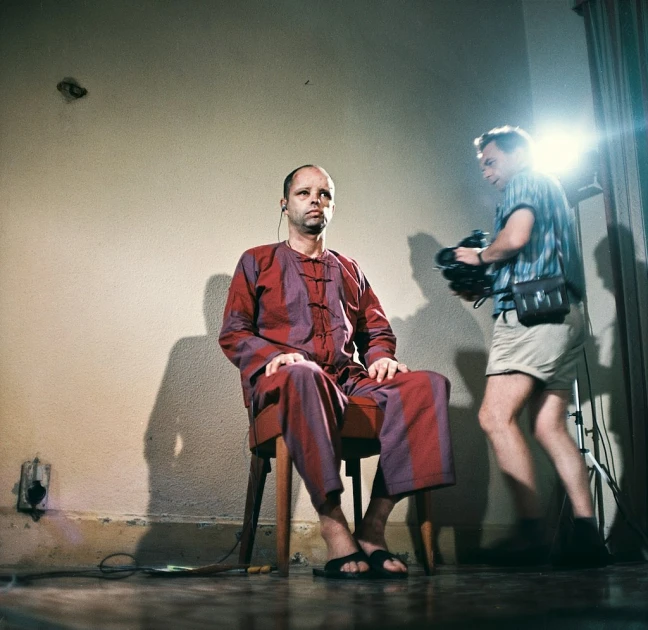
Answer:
(546, 429)
(550, 416)
(486, 420)
(304, 372)
(505, 397)
(419, 380)
(492, 420)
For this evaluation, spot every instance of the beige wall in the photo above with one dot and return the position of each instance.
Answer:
(123, 216)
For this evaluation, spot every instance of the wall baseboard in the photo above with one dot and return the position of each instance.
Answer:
(81, 540)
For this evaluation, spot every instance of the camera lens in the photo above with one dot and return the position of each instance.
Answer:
(445, 257)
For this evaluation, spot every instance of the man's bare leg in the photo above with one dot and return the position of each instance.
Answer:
(585, 547)
(371, 533)
(549, 409)
(504, 399)
(337, 536)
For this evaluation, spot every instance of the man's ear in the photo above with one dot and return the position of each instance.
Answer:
(284, 204)
(521, 157)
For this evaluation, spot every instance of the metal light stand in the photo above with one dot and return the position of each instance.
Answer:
(587, 187)
(581, 190)
(603, 474)
(594, 466)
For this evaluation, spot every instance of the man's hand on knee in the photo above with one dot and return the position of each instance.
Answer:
(386, 368)
(283, 359)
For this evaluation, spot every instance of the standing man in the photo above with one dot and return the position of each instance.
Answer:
(295, 315)
(532, 366)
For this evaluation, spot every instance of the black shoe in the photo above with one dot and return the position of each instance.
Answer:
(583, 558)
(584, 550)
(583, 555)
(516, 551)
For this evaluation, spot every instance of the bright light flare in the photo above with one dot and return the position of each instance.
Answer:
(560, 152)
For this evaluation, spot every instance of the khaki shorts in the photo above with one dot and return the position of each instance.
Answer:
(548, 352)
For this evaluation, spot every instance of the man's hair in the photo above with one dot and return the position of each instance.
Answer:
(507, 139)
(289, 178)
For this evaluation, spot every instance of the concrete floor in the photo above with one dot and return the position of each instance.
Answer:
(474, 597)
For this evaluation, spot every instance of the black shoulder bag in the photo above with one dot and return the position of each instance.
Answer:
(541, 301)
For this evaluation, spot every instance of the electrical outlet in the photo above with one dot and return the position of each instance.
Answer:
(34, 486)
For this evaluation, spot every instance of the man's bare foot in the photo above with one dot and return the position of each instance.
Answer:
(371, 533)
(338, 539)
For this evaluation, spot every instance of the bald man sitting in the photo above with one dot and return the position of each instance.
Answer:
(295, 315)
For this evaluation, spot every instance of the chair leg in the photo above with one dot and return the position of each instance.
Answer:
(259, 469)
(424, 515)
(353, 471)
(284, 491)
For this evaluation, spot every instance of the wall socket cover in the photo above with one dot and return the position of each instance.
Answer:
(34, 478)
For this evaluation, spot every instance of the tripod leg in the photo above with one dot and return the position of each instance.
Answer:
(580, 439)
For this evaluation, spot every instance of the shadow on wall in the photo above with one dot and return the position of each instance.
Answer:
(195, 447)
(444, 336)
(607, 381)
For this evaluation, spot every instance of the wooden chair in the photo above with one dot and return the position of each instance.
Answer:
(362, 423)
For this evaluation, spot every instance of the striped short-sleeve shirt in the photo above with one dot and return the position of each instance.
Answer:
(553, 230)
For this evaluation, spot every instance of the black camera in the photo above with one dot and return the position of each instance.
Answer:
(467, 279)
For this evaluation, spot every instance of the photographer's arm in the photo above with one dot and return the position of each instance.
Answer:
(511, 239)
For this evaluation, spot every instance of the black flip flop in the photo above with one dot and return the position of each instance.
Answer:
(332, 569)
(377, 560)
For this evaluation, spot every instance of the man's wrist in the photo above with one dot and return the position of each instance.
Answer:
(479, 256)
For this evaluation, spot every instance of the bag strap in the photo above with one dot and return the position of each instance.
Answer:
(477, 303)
(568, 284)
(508, 290)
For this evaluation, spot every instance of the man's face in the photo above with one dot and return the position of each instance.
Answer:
(310, 204)
(498, 167)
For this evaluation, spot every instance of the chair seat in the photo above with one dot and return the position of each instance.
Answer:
(362, 421)
(360, 434)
